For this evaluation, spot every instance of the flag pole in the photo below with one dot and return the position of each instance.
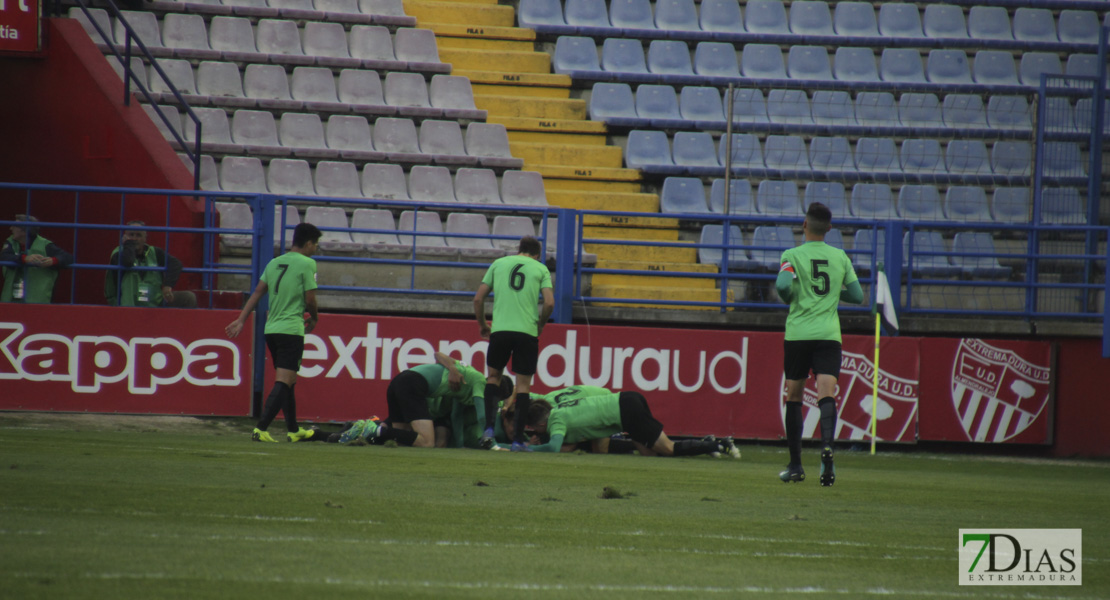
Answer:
(875, 382)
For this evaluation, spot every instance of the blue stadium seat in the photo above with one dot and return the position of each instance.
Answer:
(995, 67)
(1059, 117)
(829, 193)
(1062, 159)
(613, 103)
(863, 245)
(920, 110)
(966, 204)
(770, 241)
(746, 151)
(1009, 112)
(834, 238)
(778, 198)
(721, 17)
(934, 265)
(703, 106)
(855, 64)
(625, 59)
(831, 155)
(588, 17)
(833, 108)
(716, 59)
(649, 148)
(676, 15)
(876, 109)
(766, 16)
(740, 198)
(1012, 158)
(972, 254)
(963, 111)
(921, 156)
(920, 203)
(855, 19)
(696, 153)
(876, 155)
(632, 16)
(989, 23)
(762, 61)
(576, 55)
(948, 66)
(967, 157)
(1062, 206)
(1034, 25)
(1010, 205)
(1083, 65)
(811, 17)
(900, 20)
(748, 106)
(541, 15)
(785, 152)
(789, 106)
(738, 258)
(872, 201)
(945, 21)
(1033, 64)
(901, 65)
(669, 58)
(1084, 120)
(683, 195)
(660, 104)
(809, 62)
(1078, 26)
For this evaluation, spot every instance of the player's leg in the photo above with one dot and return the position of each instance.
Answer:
(826, 365)
(442, 435)
(526, 353)
(497, 357)
(425, 433)
(796, 367)
(285, 352)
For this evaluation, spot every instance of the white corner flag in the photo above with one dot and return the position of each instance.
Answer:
(884, 303)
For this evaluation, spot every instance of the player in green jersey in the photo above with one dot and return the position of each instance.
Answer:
(594, 414)
(813, 279)
(290, 279)
(516, 282)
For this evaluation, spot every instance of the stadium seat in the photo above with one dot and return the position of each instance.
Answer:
(292, 218)
(431, 184)
(454, 95)
(721, 17)
(785, 152)
(766, 16)
(834, 238)
(523, 188)
(748, 106)
(268, 85)
(855, 19)
(235, 215)
(789, 106)
(477, 248)
(808, 62)
(409, 93)
(174, 117)
(716, 59)
(431, 245)
(944, 21)
(914, 247)
(397, 138)
(209, 176)
(669, 58)
(876, 155)
(746, 151)
(865, 249)
(900, 20)
(769, 242)
(1062, 206)
(966, 204)
(1084, 119)
(1009, 112)
(337, 179)
(972, 254)
(855, 64)
(659, 103)
(676, 15)
(1082, 65)
(683, 195)
(901, 65)
(382, 241)
(373, 45)
(1034, 25)
(1078, 26)
(541, 14)
(811, 17)
(417, 47)
(304, 133)
(921, 156)
(713, 235)
(350, 136)
(1059, 116)
(1033, 64)
(281, 39)
(187, 35)
(1062, 159)
(223, 84)
(967, 157)
(443, 141)
(919, 110)
(948, 66)
(588, 17)
(833, 108)
(99, 16)
(695, 153)
(702, 106)
(872, 201)
(515, 227)
(242, 174)
(631, 16)
(740, 198)
(576, 55)
(180, 73)
(143, 23)
(778, 198)
(762, 61)
(648, 148)
(387, 12)
(1012, 158)
(995, 67)
(831, 155)
(477, 186)
(233, 38)
(989, 23)
(876, 109)
(613, 103)
(362, 91)
(1010, 205)
(490, 143)
(962, 111)
(256, 131)
(918, 203)
(829, 193)
(328, 43)
(625, 58)
(326, 217)
(384, 182)
(349, 7)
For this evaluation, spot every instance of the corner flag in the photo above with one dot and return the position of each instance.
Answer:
(884, 303)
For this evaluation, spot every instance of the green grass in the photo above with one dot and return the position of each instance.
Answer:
(135, 509)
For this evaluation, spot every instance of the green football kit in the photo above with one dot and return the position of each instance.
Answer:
(445, 402)
(287, 278)
(819, 272)
(579, 419)
(516, 282)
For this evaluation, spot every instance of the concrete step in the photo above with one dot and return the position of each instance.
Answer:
(549, 125)
(519, 91)
(474, 14)
(493, 60)
(588, 173)
(636, 222)
(476, 43)
(607, 252)
(594, 187)
(567, 154)
(657, 293)
(630, 233)
(611, 279)
(551, 108)
(485, 32)
(601, 199)
(542, 137)
(512, 78)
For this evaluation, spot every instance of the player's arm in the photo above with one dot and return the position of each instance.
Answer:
(555, 444)
(545, 310)
(783, 282)
(480, 309)
(457, 424)
(312, 310)
(852, 293)
(454, 374)
(236, 326)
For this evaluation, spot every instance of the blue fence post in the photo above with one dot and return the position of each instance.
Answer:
(565, 259)
(262, 207)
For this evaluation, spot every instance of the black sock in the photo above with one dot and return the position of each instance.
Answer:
(828, 419)
(274, 404)
(694, 447)
(793, 423)
(403, 437)
(619, 446)
(520, 419)
(492, 390)
(290, 410)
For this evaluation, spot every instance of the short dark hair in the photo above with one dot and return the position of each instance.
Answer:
(820, 218)
(31, 230)
(304, 233)
(538, 411)
(529, 245)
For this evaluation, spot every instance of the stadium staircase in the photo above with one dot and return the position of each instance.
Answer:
(550, 131)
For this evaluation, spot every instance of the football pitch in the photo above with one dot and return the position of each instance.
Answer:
(138, 507)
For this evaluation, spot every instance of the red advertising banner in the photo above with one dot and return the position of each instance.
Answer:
(127, 360)
(20, 29)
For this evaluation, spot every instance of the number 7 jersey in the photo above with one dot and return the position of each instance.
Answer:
(287, 278)
(820, 271)
(516, 282)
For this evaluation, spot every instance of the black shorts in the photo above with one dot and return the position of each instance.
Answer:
(407, 398)
(637, 420)
(285, 350)
(523, 348)
(799, 357)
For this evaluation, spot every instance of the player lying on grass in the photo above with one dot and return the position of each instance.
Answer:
(582, 414)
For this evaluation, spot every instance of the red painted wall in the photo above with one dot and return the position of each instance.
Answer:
(64, 122)
(1082, 399)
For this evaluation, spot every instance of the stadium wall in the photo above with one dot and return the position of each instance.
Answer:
(65, 124)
